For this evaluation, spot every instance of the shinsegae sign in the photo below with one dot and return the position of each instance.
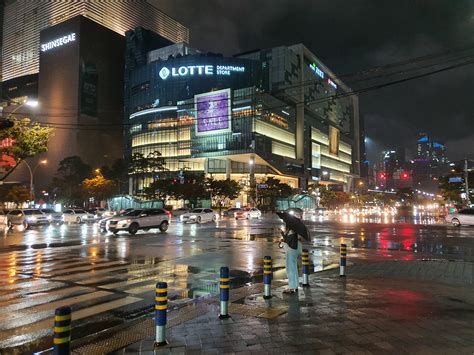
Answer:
(199, 70)
(58, 42)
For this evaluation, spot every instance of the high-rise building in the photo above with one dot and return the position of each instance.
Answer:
(24, 19)
(430, 150)
(248, 117)
(430, 163)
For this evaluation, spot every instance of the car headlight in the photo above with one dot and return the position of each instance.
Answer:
(181, 218)
(50, 218)
(31, 219)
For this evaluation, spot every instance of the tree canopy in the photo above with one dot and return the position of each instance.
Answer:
(28, 140)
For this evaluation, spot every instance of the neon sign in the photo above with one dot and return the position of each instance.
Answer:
(199, 70)
(332, 83)
(58, 42)
(316, 70)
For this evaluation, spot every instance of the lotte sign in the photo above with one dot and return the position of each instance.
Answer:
(199, 70)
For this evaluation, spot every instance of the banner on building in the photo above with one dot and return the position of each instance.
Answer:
(213, 112)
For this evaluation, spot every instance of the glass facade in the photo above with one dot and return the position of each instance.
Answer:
(24, 20)
(211, 114)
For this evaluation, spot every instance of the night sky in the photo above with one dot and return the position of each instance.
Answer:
(350, 36)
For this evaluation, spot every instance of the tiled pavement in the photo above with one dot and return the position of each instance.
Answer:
(366, 312)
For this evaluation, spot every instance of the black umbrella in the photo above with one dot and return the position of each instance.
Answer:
(295, 224)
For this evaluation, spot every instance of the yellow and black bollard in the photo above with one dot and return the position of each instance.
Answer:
(305, 262)
(224, 285)
(267, 277)
(161, 307)
(62, 331)
(342, 268)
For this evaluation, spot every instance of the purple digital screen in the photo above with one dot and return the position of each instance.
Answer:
(212, 111)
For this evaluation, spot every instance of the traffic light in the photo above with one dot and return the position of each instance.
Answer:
(4, 124)
(382, 176)
(404, 175)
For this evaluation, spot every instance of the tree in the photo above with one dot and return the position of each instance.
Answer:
(333, 199)
(222, 191)
(67, 184)
(142, 166)
(275, 189)
(118, 173)
(99, 187)
(29, 139)
(451, 192)
(18, 195)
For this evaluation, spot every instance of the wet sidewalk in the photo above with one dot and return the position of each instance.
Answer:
(378, 308)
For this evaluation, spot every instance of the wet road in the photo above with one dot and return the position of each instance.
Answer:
(109, 279)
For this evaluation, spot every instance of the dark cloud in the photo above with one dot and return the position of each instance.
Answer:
(354, 35)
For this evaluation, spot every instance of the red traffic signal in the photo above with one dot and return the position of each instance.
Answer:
(382, 176)
(404, 175)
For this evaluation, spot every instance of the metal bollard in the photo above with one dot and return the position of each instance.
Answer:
(305, 262)
(224, 284)
(342, 267)
(62, 331)
(267, 277)
(161, 306)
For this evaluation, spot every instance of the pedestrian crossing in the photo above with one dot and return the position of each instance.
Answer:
(33, 283)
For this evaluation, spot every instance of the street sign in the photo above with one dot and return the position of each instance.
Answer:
(262, 186)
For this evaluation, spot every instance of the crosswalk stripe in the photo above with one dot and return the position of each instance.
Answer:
(22, 317)
(10, 336)
(84, 268)
(41, 298)
(94, 272)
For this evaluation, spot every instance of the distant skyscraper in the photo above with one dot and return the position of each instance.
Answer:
(430, 163)
(430, 150)
(24, 19)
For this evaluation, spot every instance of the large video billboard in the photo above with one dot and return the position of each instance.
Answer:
(213, 112)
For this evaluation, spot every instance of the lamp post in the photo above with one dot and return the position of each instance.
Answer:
(32, 174)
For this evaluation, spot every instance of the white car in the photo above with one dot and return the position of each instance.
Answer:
(464, 216)
(144, 219)
(77, 216)
(248, 213)
(199, 215)
(3, 221)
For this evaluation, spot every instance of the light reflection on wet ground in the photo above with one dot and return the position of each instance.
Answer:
(113, 276)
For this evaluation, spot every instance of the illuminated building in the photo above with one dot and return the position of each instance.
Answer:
(254, 115)
(25, 19)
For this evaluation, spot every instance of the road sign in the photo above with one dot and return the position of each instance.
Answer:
(262, 186)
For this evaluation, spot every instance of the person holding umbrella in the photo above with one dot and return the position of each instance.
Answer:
(292, 235)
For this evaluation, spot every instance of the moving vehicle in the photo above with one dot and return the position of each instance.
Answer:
(294, 211)
(54, 217)
(3, 221)
(199, 215)
(180, 211)
(248, 213)
(462, 217)
(231, 212)
(27, 217)
(77, 216)
(144, 218)
(103, 223)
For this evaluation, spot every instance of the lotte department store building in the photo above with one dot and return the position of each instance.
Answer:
(277, 112)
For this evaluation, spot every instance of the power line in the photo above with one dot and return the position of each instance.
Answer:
(86, 126)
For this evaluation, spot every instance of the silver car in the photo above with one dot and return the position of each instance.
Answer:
(462, 217)
(27, 217)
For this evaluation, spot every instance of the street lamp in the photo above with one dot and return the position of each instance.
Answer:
(32, 173)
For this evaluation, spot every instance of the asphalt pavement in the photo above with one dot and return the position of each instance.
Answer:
(109, 280)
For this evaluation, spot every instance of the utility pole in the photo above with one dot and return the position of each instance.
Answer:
(466, 182)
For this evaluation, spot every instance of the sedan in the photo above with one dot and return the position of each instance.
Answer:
(53, 216)
(199, 215)
(231, 212)
(77, 216)
(27, 217)
(464, 216)
(248, 213)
